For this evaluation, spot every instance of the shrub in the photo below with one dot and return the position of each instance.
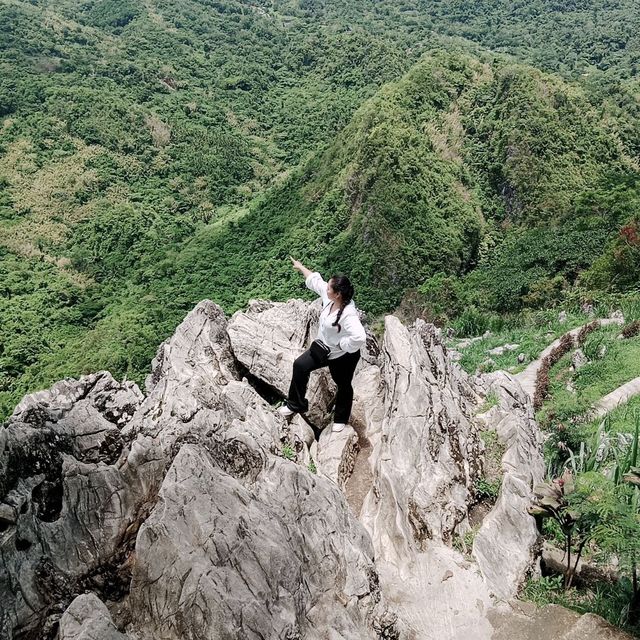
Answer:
(542, 380)
(631, 330)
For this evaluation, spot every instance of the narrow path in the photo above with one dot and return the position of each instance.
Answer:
(527, 377)
(617, 397)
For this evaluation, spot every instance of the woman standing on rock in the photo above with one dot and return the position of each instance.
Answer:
(340, 337)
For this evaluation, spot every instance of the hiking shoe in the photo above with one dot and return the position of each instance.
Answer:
(285, 412)
(338, 426)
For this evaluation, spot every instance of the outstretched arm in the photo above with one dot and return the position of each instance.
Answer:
(312, 279)
(298, 266)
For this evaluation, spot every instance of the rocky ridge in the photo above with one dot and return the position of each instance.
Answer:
(194, 511)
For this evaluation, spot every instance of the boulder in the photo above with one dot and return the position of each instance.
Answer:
(87, 618)
(268, 336)
(578, 359)
(498, 351)
(245, 544)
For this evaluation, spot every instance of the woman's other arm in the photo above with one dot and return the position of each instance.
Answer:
(354, 335)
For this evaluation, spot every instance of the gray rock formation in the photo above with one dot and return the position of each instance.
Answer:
(426, 456)
(499, 351)
(429, 451)
(71, 500)
(176, 515)
(87, 618)
(578, 359)
(506, 547)
(254, 546)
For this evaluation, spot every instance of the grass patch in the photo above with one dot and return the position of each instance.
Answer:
(464, 544)
(490, 401)
(532, 332)
(620, 420)
(613, 362)
(487, 489)
(288, 452)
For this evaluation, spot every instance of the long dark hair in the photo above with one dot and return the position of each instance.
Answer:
(343, 286)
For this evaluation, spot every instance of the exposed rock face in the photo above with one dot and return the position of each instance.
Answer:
(232, 512)
(87, 618)
(259, 550)
(426, 455)
(429, 451)
(506, 547)
(179, 511)
(188, 376)
(69, 498)
(269, 336)
(578, 359)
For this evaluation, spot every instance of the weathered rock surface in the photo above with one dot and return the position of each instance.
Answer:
(426, 455)
(260, 549)
(578, 359)
(428, 451)
(87, 618)
(506, 547)
(70, 499)
(337, 454)
(268, 336)
(498, 351)
(179, 511)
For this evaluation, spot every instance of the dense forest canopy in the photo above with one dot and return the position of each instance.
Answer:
(154, 153)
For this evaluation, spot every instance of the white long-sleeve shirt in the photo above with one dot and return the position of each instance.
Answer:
(351, 336)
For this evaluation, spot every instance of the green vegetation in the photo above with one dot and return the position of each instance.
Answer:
(612, 362)
(490, 401)
(532, 331)
(464, 544)
(595, 501)
(487, 489)
(153, 154)
(288, 452)
(607, 600)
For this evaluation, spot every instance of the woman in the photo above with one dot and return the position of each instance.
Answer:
(341, 331)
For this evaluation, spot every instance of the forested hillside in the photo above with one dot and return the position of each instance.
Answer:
(155, 153)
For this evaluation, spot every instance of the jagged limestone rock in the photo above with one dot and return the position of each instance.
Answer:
(337, 453)
(253, 546)
(506, 546)
(426, 455)
(268, 336)
(71, 501)
(87, 618)
(243, 541)
(429, 451)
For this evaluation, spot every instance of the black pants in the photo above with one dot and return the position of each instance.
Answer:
(341, 370)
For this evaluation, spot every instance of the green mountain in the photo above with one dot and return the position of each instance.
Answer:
(156, 153)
